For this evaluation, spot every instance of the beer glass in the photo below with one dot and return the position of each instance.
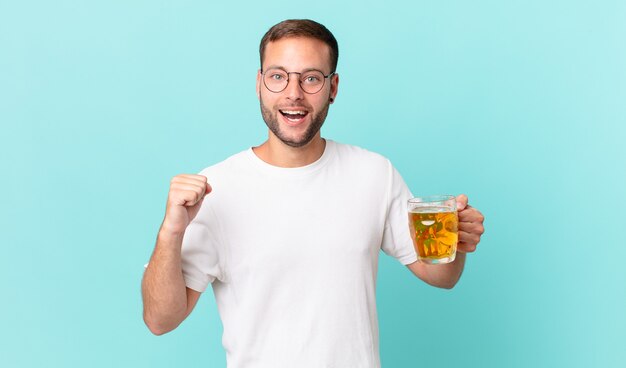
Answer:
(434, 222)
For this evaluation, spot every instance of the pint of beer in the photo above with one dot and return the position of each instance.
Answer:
(433, 223)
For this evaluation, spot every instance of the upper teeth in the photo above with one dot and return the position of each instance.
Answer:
(294, 112)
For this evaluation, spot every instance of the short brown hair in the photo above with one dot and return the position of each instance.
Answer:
(301, 28)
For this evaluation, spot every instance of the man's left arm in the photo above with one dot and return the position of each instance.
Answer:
(470, 229)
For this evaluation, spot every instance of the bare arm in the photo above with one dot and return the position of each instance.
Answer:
(443, 276)
(166, 299)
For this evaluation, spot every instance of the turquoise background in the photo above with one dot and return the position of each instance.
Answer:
(521, 105)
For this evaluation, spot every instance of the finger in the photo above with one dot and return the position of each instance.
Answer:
(469, 238)
(198, 179)
(461, 202)
(471, 215)
(198, 189)
(194, 176)
(472, 227)
(465, 247)
(190, 193)
(186, 198)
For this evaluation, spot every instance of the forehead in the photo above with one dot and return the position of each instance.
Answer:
(297, 53)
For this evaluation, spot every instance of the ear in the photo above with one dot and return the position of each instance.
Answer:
(258, 84)
(334, 87)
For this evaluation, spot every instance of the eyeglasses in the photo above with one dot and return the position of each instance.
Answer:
(311, 81)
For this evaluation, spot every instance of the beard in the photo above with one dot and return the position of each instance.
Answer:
(271, 120)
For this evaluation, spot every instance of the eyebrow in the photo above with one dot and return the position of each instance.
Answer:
(283, 68)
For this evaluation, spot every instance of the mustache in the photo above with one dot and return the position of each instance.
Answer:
(286, 106)
(291, 106)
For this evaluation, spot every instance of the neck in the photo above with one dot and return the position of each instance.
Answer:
(276, 153)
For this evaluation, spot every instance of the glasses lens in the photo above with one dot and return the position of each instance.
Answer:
(312, 81)
(275, 79)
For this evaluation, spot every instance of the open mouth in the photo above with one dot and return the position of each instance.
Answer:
(294, 116)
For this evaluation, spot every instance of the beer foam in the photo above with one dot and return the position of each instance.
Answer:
(431, 209)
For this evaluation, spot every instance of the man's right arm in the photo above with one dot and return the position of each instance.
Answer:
(166, 299)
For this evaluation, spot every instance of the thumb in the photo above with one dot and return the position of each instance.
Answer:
(461, 202)
(207, 190)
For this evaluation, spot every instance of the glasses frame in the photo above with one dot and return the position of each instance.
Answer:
(299, 81)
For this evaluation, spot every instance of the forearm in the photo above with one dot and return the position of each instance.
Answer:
(445, 275)
(163, 287)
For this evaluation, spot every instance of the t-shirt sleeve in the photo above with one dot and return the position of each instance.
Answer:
(396, 237)
(200, 253)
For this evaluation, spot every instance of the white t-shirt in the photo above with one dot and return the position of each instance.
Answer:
(292, 255)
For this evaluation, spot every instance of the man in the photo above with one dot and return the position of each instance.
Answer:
(288, 233)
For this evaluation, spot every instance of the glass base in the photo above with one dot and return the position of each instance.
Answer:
(441, 260)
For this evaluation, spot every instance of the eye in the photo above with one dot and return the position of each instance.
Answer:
(311, 79)
(277, 77)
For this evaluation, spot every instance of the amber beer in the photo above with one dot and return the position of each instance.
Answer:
(433, 222)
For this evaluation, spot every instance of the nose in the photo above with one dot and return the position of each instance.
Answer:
(293, 90)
